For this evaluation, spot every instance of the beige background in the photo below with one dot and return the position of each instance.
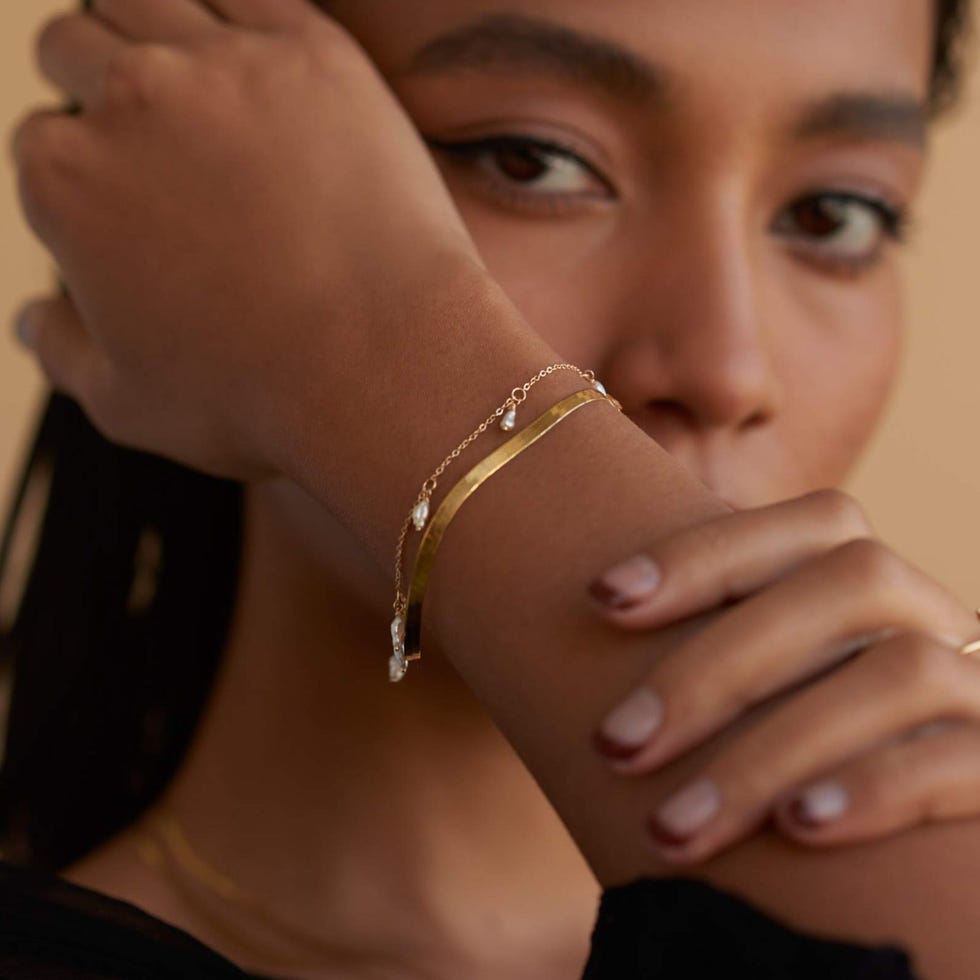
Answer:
(920, 481)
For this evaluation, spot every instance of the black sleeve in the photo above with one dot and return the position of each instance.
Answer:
(650, 929)
(51, 929)
(679, 928)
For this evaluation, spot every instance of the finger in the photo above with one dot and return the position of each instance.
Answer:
(805, 623)
(52, 329)
(928, 775)
(50, 150)
(896, 686)
(157, 20)
(725, 559)
(40, 128)
(74, 52)
(263, 14)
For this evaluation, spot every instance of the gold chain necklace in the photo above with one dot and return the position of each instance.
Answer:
(165, 848)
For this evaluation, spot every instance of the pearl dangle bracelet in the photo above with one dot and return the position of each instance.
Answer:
(408, 614)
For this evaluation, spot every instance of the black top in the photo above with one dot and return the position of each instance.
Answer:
(651, 929)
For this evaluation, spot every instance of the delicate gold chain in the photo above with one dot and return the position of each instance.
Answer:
(517, 396)
(168, 840)
(507, 413)
(460, 493)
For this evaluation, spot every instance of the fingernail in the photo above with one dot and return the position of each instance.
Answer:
(820, 803)
(628, 727)
(24, 329)
(685, 813)
(626, 584)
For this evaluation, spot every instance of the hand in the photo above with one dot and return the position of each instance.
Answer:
(241, 211)
(882, 728)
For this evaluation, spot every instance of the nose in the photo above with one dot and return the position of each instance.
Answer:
(695, 349)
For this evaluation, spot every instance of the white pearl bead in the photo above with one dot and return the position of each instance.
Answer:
(421, 514)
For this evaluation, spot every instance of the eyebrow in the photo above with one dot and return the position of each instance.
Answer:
(895, 117)
(508, 43)
(515, 42)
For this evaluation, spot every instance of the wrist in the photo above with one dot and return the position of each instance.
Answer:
(431, 367)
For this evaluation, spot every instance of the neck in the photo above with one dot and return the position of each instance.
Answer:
(370, 813)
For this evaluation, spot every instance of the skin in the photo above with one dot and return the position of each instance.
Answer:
(759, 364)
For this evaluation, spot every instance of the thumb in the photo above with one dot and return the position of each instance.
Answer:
(52, 330)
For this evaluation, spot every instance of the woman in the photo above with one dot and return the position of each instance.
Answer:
(717, 243)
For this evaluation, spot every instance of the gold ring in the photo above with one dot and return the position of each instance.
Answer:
(973, 647)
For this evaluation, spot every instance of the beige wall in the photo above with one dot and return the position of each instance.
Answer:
(22, 267)
(921, 479)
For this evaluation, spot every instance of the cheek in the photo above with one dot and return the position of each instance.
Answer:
(551, 274)
(839, 376)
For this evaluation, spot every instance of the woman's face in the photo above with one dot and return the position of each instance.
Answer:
(700, 200)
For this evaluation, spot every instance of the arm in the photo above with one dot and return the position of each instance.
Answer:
(506, 603)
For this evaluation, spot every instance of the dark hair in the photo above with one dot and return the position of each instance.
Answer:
(121, 569)
(952, 33)
(133, 568)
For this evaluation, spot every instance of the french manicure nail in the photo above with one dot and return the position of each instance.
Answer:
(686, 812)
(628, 727)
(820, 803)
(627, 583)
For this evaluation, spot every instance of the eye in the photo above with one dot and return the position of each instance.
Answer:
(841, 228)
(528, 171)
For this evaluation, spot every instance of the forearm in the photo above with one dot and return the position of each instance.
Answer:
(507, 605)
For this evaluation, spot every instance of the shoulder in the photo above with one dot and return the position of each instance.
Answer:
(51, 927)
